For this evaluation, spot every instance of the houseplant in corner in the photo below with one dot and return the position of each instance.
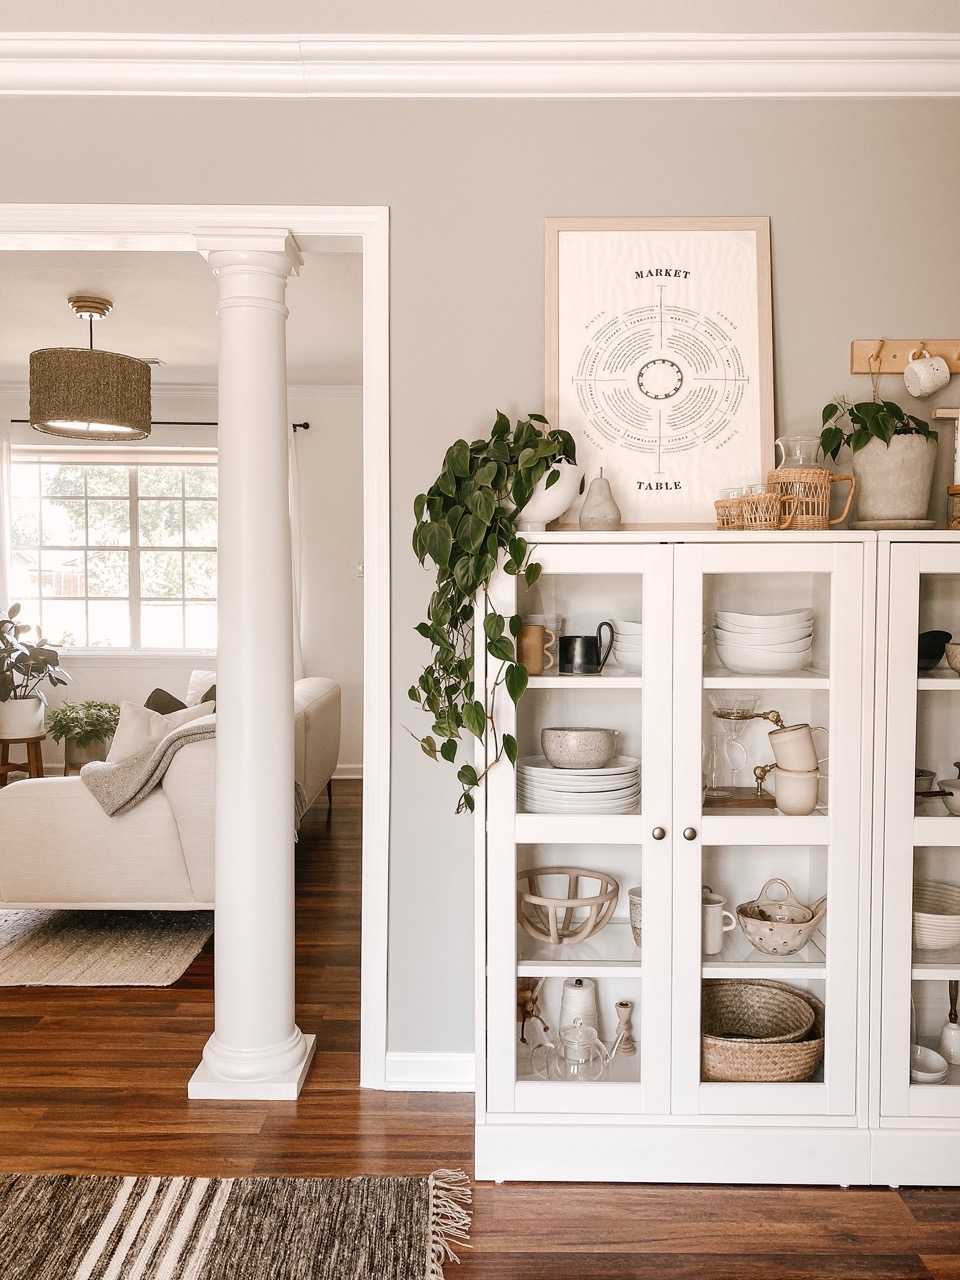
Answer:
(85, 728)
(23, 668)
(466, 521)
(894, 456)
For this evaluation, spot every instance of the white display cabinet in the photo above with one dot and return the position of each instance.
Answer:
(654, 1118)
(917, 840)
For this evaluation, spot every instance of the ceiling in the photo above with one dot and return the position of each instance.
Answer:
(164, 306)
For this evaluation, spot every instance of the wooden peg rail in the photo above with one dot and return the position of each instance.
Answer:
(892, 355)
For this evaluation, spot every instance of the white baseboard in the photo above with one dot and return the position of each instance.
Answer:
(344, 771)
(430, 1072)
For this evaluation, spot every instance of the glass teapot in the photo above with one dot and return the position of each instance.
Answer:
(798, 451)
(580, 1055)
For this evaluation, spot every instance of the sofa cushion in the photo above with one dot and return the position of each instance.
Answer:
(140, 728)
(200, 688)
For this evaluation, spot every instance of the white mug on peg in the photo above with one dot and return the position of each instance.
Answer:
(794, 749)
(796, 792)
(925, 374)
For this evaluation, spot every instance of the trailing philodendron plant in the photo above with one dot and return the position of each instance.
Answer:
(465, 523)
(868, 420)
(84, 722)
(24, 666)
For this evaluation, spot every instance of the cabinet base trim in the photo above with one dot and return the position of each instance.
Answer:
(916, 1158)
(430, 1072)
(542, 1153)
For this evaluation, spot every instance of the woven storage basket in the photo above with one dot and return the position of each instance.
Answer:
(753, 1029)
(811, 488)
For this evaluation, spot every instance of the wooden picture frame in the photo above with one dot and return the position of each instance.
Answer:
(659, 358)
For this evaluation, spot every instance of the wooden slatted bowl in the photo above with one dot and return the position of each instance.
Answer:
(565, 904)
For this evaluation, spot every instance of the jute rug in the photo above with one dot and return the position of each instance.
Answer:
(99, 948)
(64, 1227)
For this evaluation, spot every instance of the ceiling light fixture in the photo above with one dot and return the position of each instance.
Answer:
(86, 394)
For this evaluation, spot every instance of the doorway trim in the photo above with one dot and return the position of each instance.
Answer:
(173, 228)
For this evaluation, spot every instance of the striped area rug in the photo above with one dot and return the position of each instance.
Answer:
(66, 1227)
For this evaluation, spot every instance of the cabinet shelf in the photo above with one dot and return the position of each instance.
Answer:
(720, 678)
(739, 959)
(615, 679)
(936, 966)
(766, 828)
(611, 952)
(942, 681)
(936, 831)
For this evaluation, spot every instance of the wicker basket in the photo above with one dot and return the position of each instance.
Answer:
(771, 510)
(728, 513)
(753, 1029)
(811, 488)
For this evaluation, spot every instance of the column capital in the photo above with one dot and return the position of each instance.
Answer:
(241, 245)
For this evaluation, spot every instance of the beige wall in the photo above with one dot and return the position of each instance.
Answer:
(862, 197)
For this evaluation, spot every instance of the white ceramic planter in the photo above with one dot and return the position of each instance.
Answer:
(547, 504)
(21, 718)
(893, 484)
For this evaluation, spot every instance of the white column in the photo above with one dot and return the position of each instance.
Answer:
(256, 1051)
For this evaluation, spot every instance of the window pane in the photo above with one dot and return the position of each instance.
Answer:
(161, 626)
(109, 523)
(24, 578)
(24, 522)
(161, 574)
(29, 612)
(61, 573)
(201, 522)
(109, 624)
(200, 631)
(108, 574)
(61, 480)
(161, 524)
(200, 574)
(108, 482)
(65, 622)
(25, 480)
(63, 522)
(200, 482)
(160, 482)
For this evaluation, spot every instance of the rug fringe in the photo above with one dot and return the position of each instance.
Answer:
(450, 1198)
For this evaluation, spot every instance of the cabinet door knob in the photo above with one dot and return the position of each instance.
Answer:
(689, 833)
(658, 833)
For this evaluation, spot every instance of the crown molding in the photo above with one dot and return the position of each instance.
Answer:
(691, 65)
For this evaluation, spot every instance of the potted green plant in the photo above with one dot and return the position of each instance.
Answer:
(894, 456)
(466, 522)
(24, 667)
(85, 728)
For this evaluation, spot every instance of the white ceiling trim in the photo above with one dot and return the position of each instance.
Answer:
(852, 64)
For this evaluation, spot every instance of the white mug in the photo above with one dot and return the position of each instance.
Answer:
(714, 923)
(796, 793)
(925, 374)
(794, 749)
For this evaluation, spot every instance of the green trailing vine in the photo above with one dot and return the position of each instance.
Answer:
(466, 523)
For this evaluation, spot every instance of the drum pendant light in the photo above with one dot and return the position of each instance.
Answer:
(86, 394)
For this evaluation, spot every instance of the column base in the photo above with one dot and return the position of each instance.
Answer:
(284, 1087)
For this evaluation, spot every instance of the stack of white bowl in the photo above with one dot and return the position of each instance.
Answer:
(628, 645)
(763, 643)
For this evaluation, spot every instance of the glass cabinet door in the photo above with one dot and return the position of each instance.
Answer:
(918, 864)
(599, 827)
(791, 836)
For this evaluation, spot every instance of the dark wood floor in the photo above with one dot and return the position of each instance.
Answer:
(94, 1081)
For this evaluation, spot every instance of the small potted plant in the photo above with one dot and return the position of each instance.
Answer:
(465, 523)
(85, 728)
(894, 456)
(24, 667)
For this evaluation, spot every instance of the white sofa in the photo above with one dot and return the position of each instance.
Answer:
(58, 848)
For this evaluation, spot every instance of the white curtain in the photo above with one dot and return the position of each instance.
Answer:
(5, 600)
(293, 496)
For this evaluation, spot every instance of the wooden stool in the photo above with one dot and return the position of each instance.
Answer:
(34, 763)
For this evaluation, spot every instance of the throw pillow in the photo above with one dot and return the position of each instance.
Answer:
(160, 700)
(140, 728)
(199, 685)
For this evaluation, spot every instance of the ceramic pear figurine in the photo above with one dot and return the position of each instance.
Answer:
(599, 510)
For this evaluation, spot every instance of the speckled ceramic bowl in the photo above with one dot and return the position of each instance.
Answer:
(579, 748)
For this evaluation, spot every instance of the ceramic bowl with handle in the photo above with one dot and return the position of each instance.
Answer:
(577, 748)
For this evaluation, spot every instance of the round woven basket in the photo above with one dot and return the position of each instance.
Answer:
(758, 1030)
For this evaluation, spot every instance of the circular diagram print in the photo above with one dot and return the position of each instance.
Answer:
(661, 380)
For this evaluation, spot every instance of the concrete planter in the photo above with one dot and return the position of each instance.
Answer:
(21, 718)
(76, 757)
(893, 484)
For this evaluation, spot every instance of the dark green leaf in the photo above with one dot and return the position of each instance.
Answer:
(448, 750)
(438, 543)
(510, 748)
(516, 622)
(458, 458)
(532, 572)
(475, 718)
(468, 775)
(493, 625)
(471, 533)
(501, 649)
(830, 411)
(516, 681)
(419, 505)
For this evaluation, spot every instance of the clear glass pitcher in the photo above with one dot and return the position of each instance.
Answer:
(580, 1055)
(798, 451)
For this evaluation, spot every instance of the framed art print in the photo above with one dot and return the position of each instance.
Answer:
(659, 357)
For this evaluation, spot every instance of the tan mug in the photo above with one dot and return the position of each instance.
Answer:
(794, 748)
(533, 648)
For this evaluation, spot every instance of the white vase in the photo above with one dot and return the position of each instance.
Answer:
(547, 504)
(21, 718)
(893, 484)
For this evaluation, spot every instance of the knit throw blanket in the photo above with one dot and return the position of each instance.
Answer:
(121, 784)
